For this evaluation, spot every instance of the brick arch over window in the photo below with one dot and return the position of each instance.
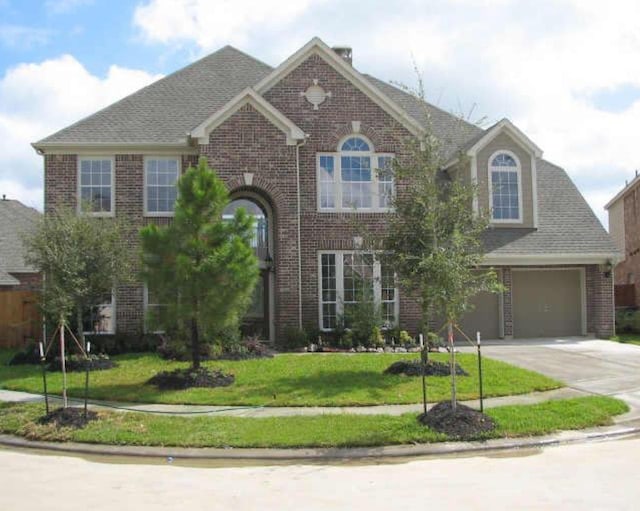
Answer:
(331, 140)
(269, 192)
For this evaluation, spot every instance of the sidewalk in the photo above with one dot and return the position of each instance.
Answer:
(286, 411)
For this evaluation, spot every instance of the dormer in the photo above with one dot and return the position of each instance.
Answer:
(503, 164)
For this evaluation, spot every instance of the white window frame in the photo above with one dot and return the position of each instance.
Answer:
(113, 317)
(337, 178)
(148, 213)
(94, 157)
(145, 299)
(518, 170)
(377, 284)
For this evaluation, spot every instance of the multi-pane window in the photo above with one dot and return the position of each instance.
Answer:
(154, 310)
(349, 278)
(161, 176)
(505, 185)
(385, 181)
(327, 182)
(357, 281)
(329, 291)
(96, 185)
(355, 178)
(100, 319)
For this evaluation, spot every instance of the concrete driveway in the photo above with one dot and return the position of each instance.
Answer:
(591, 366)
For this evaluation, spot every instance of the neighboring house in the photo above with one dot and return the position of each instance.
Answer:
(624, 227)
(19, 283)
(298, 145)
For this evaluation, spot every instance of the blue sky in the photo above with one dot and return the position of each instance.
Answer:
(565, 71)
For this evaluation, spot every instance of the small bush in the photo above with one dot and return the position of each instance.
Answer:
(123, 343)
(29, 355)
(362, 318)
(293, 339)
(79, 363)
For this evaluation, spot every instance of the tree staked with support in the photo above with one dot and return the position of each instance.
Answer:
(433, 238)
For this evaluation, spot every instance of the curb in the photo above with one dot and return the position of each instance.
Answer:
(329, 454)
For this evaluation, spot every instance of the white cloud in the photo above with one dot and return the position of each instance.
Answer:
(22, 37)
(38, 99)
(211, 24)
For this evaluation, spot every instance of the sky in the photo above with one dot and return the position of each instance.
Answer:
(566, 72)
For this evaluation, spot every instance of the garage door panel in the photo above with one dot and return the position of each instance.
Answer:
(547, 303)
(484, 318)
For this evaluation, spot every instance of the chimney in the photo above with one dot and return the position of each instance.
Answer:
(345, 53)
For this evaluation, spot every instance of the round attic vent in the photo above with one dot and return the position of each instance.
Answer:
(315, 94)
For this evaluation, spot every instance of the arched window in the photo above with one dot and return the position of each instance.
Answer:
(505, 188)
(355, 177)
(260, 241)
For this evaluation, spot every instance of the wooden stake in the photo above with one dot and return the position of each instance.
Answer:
(64, 367)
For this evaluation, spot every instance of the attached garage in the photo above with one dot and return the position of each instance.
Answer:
(548, 303)
(484, 318)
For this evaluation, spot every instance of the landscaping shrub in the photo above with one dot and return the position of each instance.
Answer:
(29, 355)
(364, 320)
(627, 321)
(250, 347)
(172, 349)
(117, 344)
(293, 339)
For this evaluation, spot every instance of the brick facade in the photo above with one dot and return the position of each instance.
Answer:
(248, 143)
(627, 271)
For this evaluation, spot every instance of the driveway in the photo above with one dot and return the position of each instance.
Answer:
(591, 366)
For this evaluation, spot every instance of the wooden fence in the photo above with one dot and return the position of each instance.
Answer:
(20, 318)
(625, 295)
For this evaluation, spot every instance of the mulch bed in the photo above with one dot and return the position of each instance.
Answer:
(68, 417)
(80, 364)
(181, 379)
(463, 424)
(414, 368)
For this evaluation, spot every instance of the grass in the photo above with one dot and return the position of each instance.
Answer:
(285, 380)
(301, 431)
(627, 338)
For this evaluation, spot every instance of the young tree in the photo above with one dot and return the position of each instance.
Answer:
(201, 268)
(83, 259)
(433, 239)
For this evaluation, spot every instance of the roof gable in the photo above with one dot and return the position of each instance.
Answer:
(266, 109)
(317, 47)
(504, 126)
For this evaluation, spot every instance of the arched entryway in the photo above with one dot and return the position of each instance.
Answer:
(259, 320)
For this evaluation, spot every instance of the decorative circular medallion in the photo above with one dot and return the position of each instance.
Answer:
(315, 94)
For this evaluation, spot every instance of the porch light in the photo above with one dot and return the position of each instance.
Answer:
(607, 268)
(268, 261)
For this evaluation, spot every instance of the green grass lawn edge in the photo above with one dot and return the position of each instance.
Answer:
(285, 380)
(627, 339)
(318, 431)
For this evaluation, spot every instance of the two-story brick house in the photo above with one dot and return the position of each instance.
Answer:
(299, 146)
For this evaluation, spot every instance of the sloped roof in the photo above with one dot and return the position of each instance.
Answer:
(164, 111)
(7, 280)
(566, 223)
(16, 219)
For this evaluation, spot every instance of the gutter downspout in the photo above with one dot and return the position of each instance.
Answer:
(298, 145)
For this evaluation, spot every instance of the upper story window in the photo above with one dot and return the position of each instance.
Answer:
(505, 188)
(161, 177)
(95, 185)
(355, 178)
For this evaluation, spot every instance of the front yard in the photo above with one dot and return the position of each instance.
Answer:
(285, 380)
(300, 431)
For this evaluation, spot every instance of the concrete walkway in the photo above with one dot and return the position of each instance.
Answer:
(286, 411)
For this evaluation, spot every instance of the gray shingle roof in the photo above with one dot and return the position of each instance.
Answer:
(7, 280)
(164, 111)
(566, 223)
(16, 219)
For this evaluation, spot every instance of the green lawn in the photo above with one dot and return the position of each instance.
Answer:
(627, 338)
(300, 431)
(286, 380)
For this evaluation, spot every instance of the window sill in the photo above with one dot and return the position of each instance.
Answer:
(159, 215)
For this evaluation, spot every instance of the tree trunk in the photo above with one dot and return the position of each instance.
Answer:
(79, 327)
(452, 362)
(195, 338)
